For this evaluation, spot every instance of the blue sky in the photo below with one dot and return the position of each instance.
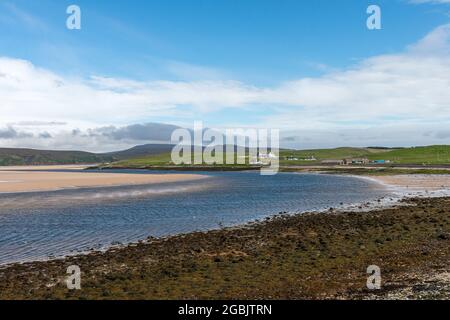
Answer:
(248, 53)
(253, 40)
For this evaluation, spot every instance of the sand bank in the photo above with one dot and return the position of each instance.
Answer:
(45, 167)
(416, 182)
(28, 180)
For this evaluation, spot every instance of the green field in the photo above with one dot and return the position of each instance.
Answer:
(165, 160)
(419, 155)
(155, 155)
(431, 155)
(328, 154)
(154, 160)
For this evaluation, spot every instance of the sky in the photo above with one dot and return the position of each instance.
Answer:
(309, 68)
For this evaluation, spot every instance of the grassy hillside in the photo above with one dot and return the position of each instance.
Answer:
(162, 160)
(340, 153)
(10, 157)
(328, 154)
(432, 155)
(417, 155)
(142, 151)
(159, 155)
(154, 160)
(16, 156)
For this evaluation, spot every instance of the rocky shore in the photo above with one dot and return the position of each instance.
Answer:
(308, 256)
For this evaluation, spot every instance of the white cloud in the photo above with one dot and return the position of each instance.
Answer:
(436, 43)
(408, 88)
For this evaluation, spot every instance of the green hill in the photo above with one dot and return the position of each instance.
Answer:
(16, 157)
(153, 160)
(430, 155)
(327, 154)
(19, 156)
(159, 155)
(417, 155)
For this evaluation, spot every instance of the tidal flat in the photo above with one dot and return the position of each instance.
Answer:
(51, 178)
(307, 256)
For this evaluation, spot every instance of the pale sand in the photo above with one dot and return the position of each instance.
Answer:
(419, 182)
(45, 167)
(31, 180)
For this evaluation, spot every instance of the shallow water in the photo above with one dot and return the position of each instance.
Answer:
(36, 226)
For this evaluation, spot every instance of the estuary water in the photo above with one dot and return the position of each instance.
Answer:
(39, 226)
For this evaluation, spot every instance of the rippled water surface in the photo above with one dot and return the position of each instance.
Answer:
(36, 226)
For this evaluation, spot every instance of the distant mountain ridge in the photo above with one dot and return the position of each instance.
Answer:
(140, 151)
(15, 156)
(19, 156)
(23, 156)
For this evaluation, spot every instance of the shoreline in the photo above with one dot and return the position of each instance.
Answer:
(36, 179)
(399, 192)
(365, 206)
(409, 207)
(192, 168)
(416, 182)
(311, 246)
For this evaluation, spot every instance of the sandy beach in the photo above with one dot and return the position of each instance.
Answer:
(44, 167)
(28, 179)
(416, 182)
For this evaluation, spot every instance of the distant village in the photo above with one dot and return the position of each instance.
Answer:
(263, 158)
(355, 161)
(340, 162)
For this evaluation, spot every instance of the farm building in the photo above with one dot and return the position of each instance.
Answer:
(356, 161)
(381, 161)
(333, 162)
